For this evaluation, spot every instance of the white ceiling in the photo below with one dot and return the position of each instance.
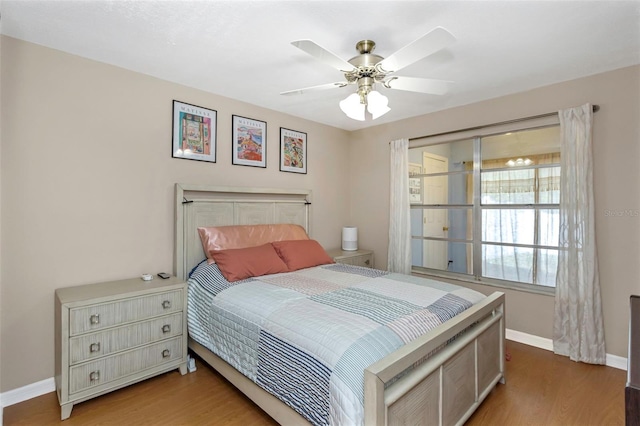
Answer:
(242, 50)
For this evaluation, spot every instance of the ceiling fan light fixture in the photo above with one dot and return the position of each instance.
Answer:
(519, 162)
(367, 68)
(377, 104)
(352, 107)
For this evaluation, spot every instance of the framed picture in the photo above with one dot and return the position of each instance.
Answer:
(194, 132)
(293, 151)
(249, 142)
(415, 190)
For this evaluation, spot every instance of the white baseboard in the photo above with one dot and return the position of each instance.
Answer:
(27, 392)
(48, 385)
(614, 361)
(529, 339)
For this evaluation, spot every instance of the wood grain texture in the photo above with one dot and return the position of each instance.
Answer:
(120, 338)
(124, 311)
(356, 257)
(548, 389)
(199, 398)
(458, 385)
(220, 206)
(124, 364)
(543, 389)
(632, 406)
(410, 409)
(113, 334)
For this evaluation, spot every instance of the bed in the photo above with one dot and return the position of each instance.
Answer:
(439, 377)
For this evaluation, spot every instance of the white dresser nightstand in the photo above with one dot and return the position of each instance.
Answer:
(112, 334)
(352, 257)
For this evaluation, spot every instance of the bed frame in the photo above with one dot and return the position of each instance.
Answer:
(439, 384)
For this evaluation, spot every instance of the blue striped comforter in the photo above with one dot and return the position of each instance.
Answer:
(307, 336)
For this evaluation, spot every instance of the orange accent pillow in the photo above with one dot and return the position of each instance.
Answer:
(300, 254)
(239, 264)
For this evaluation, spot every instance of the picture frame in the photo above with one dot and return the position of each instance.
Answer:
(415, 186)
(249, 142)
(194, 132)
(293, 151)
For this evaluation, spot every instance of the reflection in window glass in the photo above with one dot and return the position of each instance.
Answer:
(510, 217)
(444, 224)
(443, 255)
(457, 153)
(523, 145)
(453, 223)
(508, 187)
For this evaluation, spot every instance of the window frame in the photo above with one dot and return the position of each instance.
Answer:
(477, 207)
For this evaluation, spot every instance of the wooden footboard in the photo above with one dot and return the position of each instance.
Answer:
(446, 387)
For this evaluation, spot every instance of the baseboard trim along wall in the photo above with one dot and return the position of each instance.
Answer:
(547, 344)
(48, 385)
(27, 392)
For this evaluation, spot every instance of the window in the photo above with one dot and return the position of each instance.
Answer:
(488, 207)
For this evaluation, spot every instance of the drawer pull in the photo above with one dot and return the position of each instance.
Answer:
(94, 347)
(94, 319)
(166, 328)
(94, 375)
(366, 262)
(166, 353)
(166, 304)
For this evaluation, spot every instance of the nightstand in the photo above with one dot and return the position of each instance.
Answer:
(352, 257)
(112, 334)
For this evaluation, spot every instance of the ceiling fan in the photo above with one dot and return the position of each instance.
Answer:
(367, 69)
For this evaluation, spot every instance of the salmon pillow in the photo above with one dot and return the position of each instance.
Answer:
(300, 254)
(240, 236)
(243, 263)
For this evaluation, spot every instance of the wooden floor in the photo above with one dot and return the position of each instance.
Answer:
(542, 389)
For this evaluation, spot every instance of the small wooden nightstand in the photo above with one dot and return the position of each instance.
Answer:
(353, 257)
(112, 334)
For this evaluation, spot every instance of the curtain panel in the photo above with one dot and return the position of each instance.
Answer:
(578, 324)
(399, 253)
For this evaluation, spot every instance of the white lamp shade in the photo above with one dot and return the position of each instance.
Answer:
(350, 238)
(377, 104)
(352, 107)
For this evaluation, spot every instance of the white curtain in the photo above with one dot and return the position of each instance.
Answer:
(399, 258)
(578, 330)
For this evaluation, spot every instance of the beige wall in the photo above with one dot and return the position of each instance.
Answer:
(616, 153)
(87, 185)
(88, 179)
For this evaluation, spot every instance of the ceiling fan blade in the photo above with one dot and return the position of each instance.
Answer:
(430, 43)
(422, 85)
(323, 55)
(313, 88)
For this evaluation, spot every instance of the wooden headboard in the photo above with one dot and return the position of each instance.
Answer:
(203, 205)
